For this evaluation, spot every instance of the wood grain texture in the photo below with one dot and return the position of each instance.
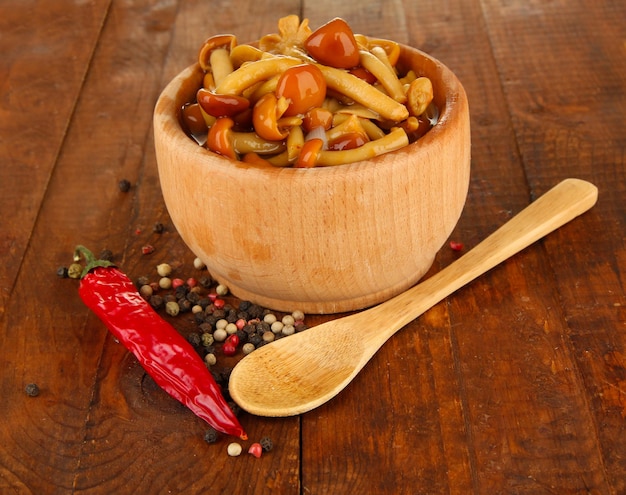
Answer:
(515, 385)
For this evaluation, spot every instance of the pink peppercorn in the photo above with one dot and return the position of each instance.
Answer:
(177, 282)
(256, 450)
(240, 323)
(191, 282)
(219, 303)
(456, 246)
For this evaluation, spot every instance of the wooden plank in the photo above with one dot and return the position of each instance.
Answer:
(564, 76)
(45, 55)
(142, 441)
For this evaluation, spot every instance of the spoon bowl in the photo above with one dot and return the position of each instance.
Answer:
(308, 369)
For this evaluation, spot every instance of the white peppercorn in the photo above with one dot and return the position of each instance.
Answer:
(298, 315)
(277, 326)
(164, 270)
(165, 283)
(220, 335)
(247, 348)
(288, 320)
(210, 359)
(269, 318)
(221, 324)
(198, 264)
(234, 449)
(221, 290)
(288, 330)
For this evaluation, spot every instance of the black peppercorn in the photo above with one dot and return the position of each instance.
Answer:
(62, 272)
(158, 228)
(211, 435)
(32, 390)
(184, 305)
(266, 443)
(124, 185)
(106, 254)
(195, 339)
(156, 302)
(244, 305)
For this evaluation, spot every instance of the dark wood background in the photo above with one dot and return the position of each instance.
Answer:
(514, 385)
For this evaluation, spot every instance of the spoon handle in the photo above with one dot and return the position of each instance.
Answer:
(564, 202)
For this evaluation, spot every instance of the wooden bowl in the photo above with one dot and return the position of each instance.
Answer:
(326, 239)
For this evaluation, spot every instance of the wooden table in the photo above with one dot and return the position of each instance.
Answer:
(514, 385)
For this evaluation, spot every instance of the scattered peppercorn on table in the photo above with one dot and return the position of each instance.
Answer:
(515, 384)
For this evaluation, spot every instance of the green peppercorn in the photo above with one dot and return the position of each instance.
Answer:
(75, 270)
(172, 308)
(207, 339)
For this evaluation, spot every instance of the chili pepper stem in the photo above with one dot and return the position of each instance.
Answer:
(90, 259)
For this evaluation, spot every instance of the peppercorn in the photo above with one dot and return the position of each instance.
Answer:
(172, 308)
(164, 269)
(244, 305)
(158, 228)
(255, 339)
(193, 297)
(124, 185)
(234, 449)
(266, 443)
(256, 450)
(288, 330)
(75, 270)
(247, 348)
(184, 305)
(221, 290)
(205, 282)
(210, 359)
(106, 254)
(62, 272)
(242, 336)
(234, 407)
(156, 301)
(263, 327)
(32, 390)
(198, 264)
(269, 318)
(220, 335)
(249, 328)
(255, 311)
(194, 339)
(219, 313)
(207, 339)
(211, 435)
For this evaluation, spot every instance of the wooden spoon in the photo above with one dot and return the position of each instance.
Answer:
(296, 374)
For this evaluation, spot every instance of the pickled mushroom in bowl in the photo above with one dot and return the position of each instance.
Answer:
(302, 98)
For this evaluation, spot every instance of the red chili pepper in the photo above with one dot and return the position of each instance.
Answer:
(163, 352)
